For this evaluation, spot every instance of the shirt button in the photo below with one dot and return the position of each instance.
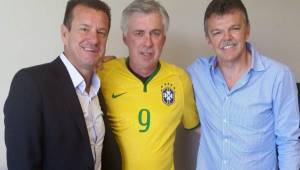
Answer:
(225, 162)
(225, 140)
(225, 120)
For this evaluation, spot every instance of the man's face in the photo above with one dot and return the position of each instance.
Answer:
(227, 36)
(145, 38)
(85, 42)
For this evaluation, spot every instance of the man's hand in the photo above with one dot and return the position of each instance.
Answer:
(198, 131)
(108, 58)
(105, 59)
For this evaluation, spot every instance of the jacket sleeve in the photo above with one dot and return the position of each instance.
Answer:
(23, 124)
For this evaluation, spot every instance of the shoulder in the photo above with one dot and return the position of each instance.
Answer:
(114, 62)
(111, 68)
(267, 65)
(201, 62)
(274, 67)
(177, 72)
(41, 75)
(200, 68)
(35, 72)
(274, 75)
(27, 82)
(112, 65)
(173, 69)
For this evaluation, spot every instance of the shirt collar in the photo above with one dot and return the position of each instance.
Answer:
(78, 80)
(212, 61)
(256, 63)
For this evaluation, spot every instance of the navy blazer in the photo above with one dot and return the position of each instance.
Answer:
(44, 124)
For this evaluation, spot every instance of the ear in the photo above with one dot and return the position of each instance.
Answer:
(208, 41)
(164, 39)
(64, 33)
(124, 39)
(247, 31)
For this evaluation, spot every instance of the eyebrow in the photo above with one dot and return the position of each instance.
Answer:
(86, 25)
(216, 29)
(157, 29)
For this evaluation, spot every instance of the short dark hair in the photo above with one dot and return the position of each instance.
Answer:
(94, 4)
(222, 7)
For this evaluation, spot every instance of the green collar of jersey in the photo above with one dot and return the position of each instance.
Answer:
(143, 79)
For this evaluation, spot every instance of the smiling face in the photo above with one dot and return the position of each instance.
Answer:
(85, 42)
(144, 38)
(227, 36)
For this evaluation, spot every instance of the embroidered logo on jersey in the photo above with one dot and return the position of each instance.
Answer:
(168, 93)
(117, 95)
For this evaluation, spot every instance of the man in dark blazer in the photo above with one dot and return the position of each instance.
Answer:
(47, 124)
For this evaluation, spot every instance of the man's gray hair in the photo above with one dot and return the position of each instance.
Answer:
(145, 7)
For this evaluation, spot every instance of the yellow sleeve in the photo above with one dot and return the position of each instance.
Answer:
(190, 117)
(102, 72)
(106, 68)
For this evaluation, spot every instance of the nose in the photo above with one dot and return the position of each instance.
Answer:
(93, 37)
(227, 35)
(148, 40)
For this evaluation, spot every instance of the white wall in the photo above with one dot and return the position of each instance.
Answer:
(29, 34)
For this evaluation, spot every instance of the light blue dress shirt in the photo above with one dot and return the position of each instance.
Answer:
(91, 109)
(252, 126)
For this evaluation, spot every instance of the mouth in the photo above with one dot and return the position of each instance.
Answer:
(228, 45)
(146, 54)
(90, 49)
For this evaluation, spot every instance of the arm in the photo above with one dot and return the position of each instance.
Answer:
(286, 114)
(23, 128)
(190, 118)
(198, 131)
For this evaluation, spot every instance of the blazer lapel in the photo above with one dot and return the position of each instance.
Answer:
(68, 95)
(68, 92)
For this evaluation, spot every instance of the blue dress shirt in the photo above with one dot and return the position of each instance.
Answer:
(252, 126)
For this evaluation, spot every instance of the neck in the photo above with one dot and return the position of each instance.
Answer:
(86, 71)
(233, 71)
(143, 71)
(87, 76)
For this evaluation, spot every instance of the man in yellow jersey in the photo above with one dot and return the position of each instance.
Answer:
(146, 98)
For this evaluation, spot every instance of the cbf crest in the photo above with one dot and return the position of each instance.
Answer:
(168, 93)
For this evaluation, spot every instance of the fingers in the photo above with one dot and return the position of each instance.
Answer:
(103, 60)
(108, 58)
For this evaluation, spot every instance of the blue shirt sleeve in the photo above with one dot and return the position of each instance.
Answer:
(286, 115)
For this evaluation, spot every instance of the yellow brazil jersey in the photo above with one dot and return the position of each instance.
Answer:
(144, 116)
